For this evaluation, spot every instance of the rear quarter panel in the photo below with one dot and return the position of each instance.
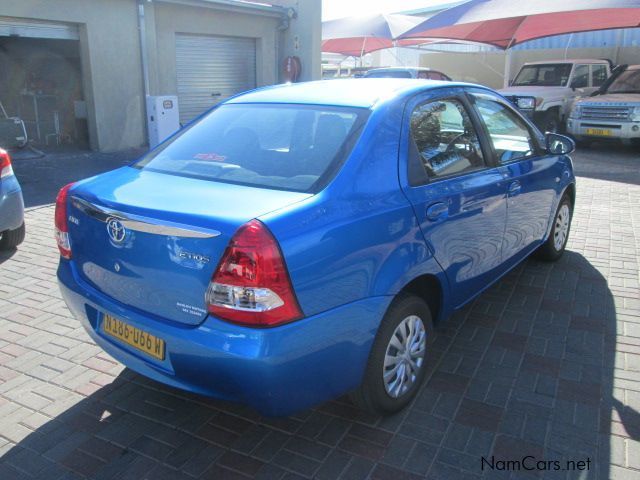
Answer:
(11, 204)
(564, 167)
(359, 237)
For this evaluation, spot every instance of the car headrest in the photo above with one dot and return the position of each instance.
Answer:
(426, 131)
(330, 130)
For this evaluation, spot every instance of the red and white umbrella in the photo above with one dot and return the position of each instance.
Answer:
(357, 36)
(505, 23)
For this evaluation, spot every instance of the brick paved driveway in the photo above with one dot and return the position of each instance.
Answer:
(546, 363)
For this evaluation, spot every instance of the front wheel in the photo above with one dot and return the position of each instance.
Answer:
(549, 122)
(554, 247)
(396, 366)
(12, 238)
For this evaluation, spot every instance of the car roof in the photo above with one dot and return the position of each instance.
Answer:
(401, 69)
(350, 92)
(570, 60)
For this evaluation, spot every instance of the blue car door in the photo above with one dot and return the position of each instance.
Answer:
(457, 194)
(532, 175)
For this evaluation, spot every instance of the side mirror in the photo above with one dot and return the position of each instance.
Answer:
(559, 144)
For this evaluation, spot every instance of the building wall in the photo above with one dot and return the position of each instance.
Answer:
(303, 38)
(110, 52)
(171, 19)
(112, 63)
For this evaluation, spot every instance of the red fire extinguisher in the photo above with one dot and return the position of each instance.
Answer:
(291, 69)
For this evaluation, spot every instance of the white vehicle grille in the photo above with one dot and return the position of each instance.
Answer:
(605, 113)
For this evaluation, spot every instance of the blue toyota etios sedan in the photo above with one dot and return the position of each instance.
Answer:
(302, 241)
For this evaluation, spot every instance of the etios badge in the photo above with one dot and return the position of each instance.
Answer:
(116, 230)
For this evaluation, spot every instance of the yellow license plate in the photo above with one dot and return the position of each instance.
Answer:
(599, 132)
(138, 339)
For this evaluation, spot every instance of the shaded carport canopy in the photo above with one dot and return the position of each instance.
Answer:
(357, 36)
(505, 23)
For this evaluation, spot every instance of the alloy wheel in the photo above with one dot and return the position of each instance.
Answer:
(404, 356)
(561, 228)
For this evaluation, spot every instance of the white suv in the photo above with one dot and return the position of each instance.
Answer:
(546, 91)
(612, 113)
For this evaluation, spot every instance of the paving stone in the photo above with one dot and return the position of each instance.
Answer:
(545, 362)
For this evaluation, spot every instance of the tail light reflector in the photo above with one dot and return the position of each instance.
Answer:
(251, 285)
(61, 222)
(5, 164)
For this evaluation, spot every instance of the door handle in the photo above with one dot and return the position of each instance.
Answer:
(216, 94)
(515, 188)
(437, 211)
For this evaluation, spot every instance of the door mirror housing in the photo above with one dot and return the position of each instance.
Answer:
(559, 144)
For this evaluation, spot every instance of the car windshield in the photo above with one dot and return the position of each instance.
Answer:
(388, 74)
(627, 82)
(285, 147)
(543, 75)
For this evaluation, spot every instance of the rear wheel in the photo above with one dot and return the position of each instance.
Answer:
(396, 366)
(554, 247)
(12, 238)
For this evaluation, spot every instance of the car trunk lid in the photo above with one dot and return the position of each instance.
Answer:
(152, 241)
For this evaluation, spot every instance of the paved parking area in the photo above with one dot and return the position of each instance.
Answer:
(545, 365)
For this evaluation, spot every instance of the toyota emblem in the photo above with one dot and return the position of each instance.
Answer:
(116, 230)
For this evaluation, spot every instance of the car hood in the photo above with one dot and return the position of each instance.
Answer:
(613, 99)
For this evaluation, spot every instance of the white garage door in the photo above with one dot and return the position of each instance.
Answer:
(15, 27)
(210, 69)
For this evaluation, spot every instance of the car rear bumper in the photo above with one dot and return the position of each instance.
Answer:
(11, 204)
(277, 371)
(603, 130)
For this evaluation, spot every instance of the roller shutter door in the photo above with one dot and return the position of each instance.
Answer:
(210, 69)
(15, 27)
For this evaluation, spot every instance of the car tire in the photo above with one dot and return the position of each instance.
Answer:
(550, 122)
(12, 238)
(553, 248)
(391, 380)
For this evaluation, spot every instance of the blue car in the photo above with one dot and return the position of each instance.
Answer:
(12, 229)
(302, 241)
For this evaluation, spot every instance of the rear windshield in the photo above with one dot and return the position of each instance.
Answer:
(388, 74)
(284, 147)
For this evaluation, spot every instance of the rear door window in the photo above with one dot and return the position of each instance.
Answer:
(286, 147)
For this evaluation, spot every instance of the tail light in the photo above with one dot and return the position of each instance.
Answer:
(5, 164)
(251, 285)
(61, 221)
